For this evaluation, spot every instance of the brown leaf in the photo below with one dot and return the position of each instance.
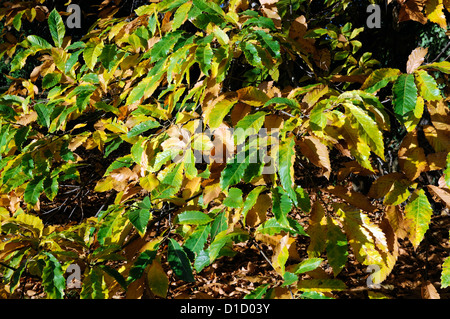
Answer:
(258, 213)
(437, 161)
(211, 192)
(412, 10)
(441, 193)
(428, 291)
(395, 218)
(382, 185)
(353, 198)
(416, 59)
(123, 174)
(316, 152)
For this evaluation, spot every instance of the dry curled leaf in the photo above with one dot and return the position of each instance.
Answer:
(416, 59)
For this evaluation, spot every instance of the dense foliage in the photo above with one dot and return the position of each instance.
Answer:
(202, 125)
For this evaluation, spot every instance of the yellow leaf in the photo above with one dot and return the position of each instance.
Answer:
(434, 11)
(31, 221)
(418, 216)
(312, 97)
(317, 230)
(252, 96)
(157, 279)
(104, 185)
(281, 254)
(413, 118)
(211, 192)
(100, 138)
(411, 157)
(192, 186)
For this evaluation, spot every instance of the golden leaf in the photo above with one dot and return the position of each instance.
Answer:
(434, 10)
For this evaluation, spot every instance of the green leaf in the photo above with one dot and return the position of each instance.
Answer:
(21, 136)
(142, 261)
(181, 15)
(289, 278)
(316, 33)
(219, 225)
(427, 85)
(445, 276)
(282, 205)
(114, 274)
(251, 54)
(286, 167)
(197, 240)
(249, 125)
(162, 48)
(57, 28)
(234, 198)
(92, 51)
(18, 62)
(50, 80)
(140, 218)
(171, 183)
(148, 85)
(268, 43)
(53, 278)
(179, 261)
(418, 213)
(251, 199)
(72, 60)
(261, 22)
(307, 265)
(204, 55)
(443, 66)
(222, 239)
(235, 169)
(14, 281)
(38, 43)
(405, 94)
(219, 111)
(108, 56)
(193, 218)
(142, 127)
(273, 227)
(94, 286)
(321, 285)
(447, 171)
(378, 79)
(51, 187)
(337, 247)
(202, 260)
(367, 128)
(17, 21)
(258, 293)
(34, 189)
(303, 199)
(283, 100)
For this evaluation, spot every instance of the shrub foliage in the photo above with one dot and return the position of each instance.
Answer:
(119, 116)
